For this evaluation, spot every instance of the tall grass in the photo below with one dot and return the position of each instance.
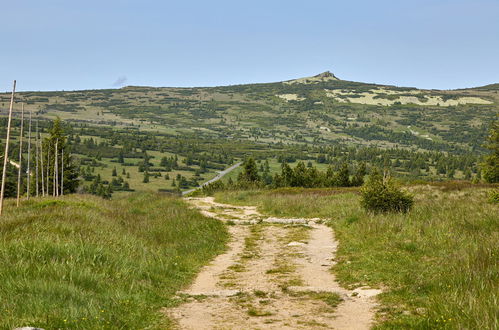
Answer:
(80, 262)
(438, 264)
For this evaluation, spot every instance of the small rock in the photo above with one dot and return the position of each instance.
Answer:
(421, 310)
(355, 294)
(296, 244)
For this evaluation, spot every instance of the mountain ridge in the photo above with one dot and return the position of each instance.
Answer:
(324, 76)
(320, 109)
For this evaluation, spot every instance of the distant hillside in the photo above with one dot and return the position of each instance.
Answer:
(315, 110)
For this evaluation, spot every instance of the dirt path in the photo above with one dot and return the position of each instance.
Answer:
(274, 275)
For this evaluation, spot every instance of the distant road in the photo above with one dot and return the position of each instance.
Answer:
(220, 175)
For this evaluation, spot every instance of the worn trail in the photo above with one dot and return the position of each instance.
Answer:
(275, 274)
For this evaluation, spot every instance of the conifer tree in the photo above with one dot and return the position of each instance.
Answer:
(250, 172)
(358, 178)
(342, 178)
(490, 166)
(65, 163)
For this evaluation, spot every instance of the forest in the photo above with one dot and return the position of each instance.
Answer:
(173, 139)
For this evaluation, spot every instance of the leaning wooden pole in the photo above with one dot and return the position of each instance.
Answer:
(6, 154)
(37, 154)
(19, 172)
(29, 159)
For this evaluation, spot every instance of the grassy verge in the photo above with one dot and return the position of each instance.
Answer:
(438, 264)
(80, 262)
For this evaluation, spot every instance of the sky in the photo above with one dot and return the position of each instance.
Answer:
(71, 45)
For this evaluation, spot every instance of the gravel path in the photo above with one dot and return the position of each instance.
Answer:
(275, 274)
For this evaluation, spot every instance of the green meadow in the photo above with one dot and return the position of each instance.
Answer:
(437, 265)
(80, 262)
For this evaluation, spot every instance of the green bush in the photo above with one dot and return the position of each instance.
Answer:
(381, 195)
(213, 187)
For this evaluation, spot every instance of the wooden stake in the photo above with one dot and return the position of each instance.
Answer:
(20, 156)
(6, 155)
(62, 172)
(48, 168)
(37, 154)
(29, 158)
(41, 165)
(56, 184)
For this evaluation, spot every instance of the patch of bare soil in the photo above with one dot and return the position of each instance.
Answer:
(275, 274)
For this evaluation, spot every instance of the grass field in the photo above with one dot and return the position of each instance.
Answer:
(437, 265)
(79, 262)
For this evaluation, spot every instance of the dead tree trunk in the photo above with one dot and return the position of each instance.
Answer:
(19, 173)
(6, 154)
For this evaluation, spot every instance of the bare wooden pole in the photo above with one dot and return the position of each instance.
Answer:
(37, 155)
(6, 154)
(41, 165)
(56, 168)
(29, 158)
(56, 171)
(19, 173)
(48, 169)
(62, 172)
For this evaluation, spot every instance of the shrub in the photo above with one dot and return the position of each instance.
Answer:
(213, 187)
(381, 195)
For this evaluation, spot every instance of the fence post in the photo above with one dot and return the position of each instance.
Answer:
(6, 154)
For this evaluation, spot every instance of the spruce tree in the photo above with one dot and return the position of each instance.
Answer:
(358, 178)
(342, 178)
(490, 165)
(121, 158)
(250, 172)
(59, 136)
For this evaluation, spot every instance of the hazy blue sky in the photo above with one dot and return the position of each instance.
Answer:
(49, 45)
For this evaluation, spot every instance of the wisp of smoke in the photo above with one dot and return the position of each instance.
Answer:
(120, 81)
